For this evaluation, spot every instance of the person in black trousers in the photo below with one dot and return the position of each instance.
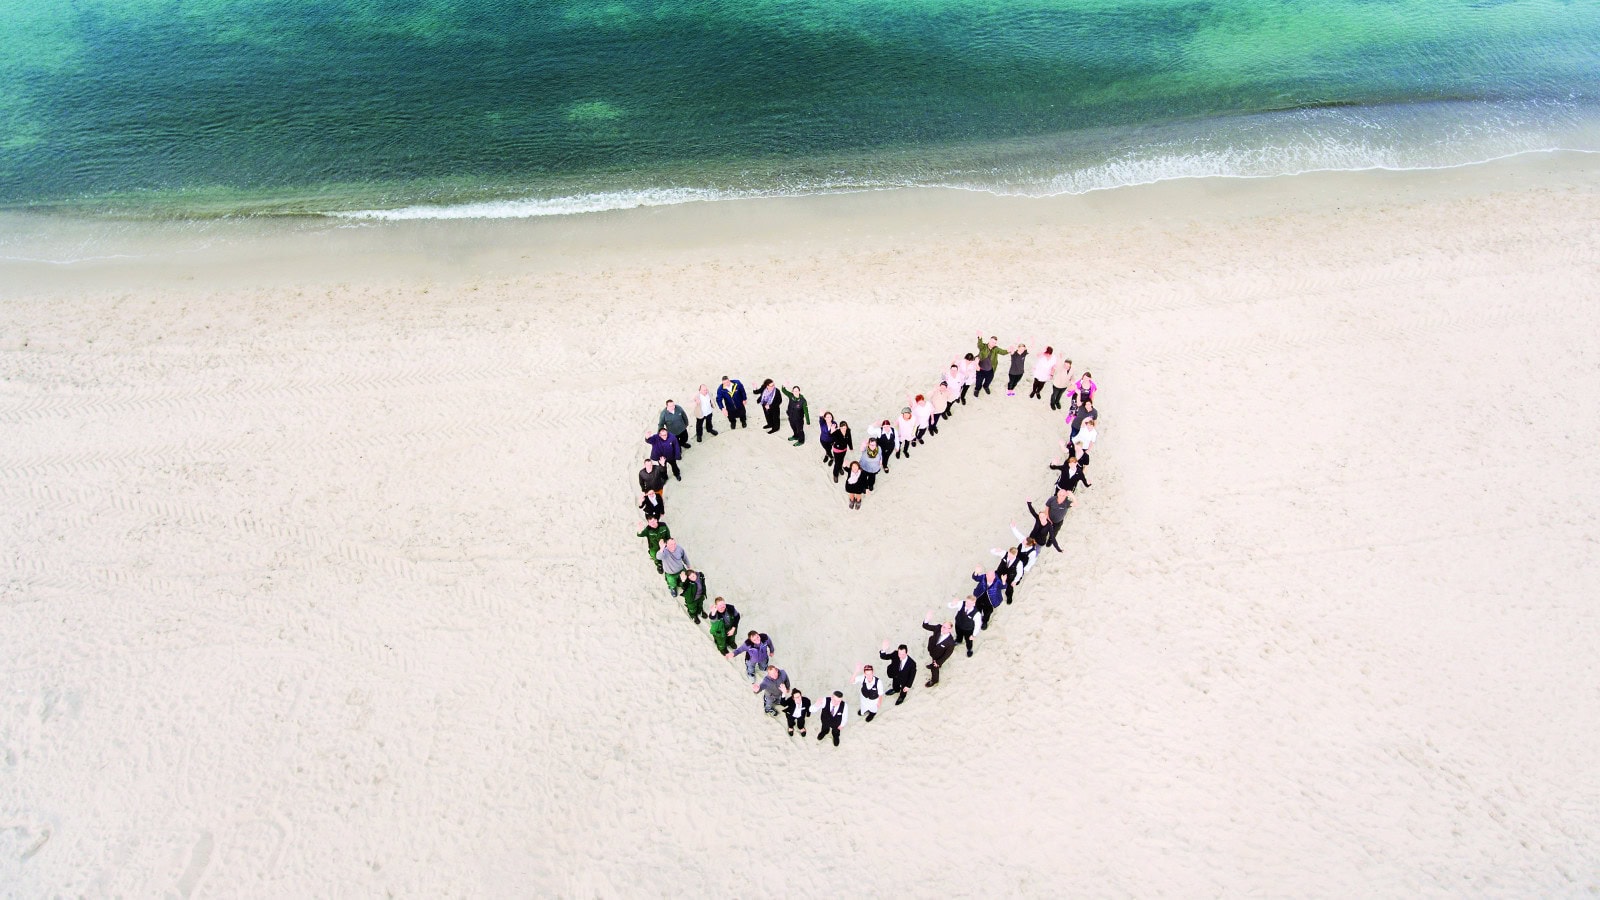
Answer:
(652, 505)
(1009, 567)
(796, 707)
(799, 414)
(842, 443)
(902, 672)
(1044, 529)
(770, 401)
(941, 643)
(730, 399)
(969, 619)
(665, 448)
(1056, 507)
(833, 715)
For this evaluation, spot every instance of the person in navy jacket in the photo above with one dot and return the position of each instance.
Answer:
(989, 591)
(902, 671)
(665, 448)
(730, 399)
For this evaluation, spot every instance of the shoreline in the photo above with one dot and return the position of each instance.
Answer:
(46, 254)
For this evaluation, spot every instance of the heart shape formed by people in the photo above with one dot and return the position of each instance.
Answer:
(759, 510)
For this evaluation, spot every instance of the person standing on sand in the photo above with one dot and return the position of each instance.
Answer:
(1084, 441)
(989, 353)
(969, 375)
(1086, 387)
(902, 672)
(796, 707)
(872, 459)
(799, 414)
(1009, 569)
(825, 437)
(675, 421)
(730, 399)
(665, 449)
(757, 652)
(769, 399)
(938, 407)
(969, 620)
(772, 688)
(1019, 364)
(941, 643)
(988, 591)
(871, 688)
(855, 486)
(725, 615)
(703, 423)
(952, 383)
(651, 504)
(1057, 507)
(673, 563)
(1041, 371)
(1071, 472)
(905, 432)
(833, 715)
(1042, 526)
(921, 413)
(886, 443)
(655, 531)
(694, 594)
(840, 444)
(1084, 414)
(1060, 380)
(719, 633)
(653, 480)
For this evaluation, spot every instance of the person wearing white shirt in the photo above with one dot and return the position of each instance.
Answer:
(707, 404)
(1043, 367)
(922, 414)
(833, 715)
(905, 431)
(871, 690)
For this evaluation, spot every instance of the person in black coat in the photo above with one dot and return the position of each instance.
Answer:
(796, 707)
(652, 504)
(902, 672)
(969, 620)
(1008, 568)
(941, 643)
(1040, 533)
(833, 714)
(840, 443)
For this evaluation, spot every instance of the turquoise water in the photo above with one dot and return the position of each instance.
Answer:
(211, 107)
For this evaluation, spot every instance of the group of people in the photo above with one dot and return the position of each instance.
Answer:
(969, 376)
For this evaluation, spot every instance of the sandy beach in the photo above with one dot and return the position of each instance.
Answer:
(321, 576)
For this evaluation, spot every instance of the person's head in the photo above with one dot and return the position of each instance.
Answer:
(672, 543)
(754, 637)
(671, 406)
(691, 575)
(827, 417)
(726, 381)
(649, 463)
(772, 671)
(993, 340)
(946, 627)
(921, 399)
(866, 670)
(704, 389)
(905, 412)
(1061, 494)
(901, 650)
(954, 367)
(887, 426)
(1011, 553)
(795, 389)
(838, 695)
(969, 357)
(872, 448)
(719, 604)
(663, 431)
(1022, 348)
(1067, 363)
(651, 520)
(855, 467)
(1030, 544)
(766, 383)
(797, 695)
(1049, 351)
(844, 426)
(1044, 515)
(1088, 406)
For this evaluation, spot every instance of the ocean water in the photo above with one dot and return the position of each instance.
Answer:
(451, 108)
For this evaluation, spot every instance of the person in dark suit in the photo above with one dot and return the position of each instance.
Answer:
(941, 643)
(902, 671)
(666, 449)
(833, 715)
(969, 619)
(796, 707)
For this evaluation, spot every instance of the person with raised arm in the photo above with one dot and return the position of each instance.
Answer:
(1045, 525)
(989, 593)
(921, 413)
(1041, 371)
(886, 442)
(905, 433)
(969, 620)
(871, 689)
(653, 479)
(1084, 440)
(833, 715)
(694, 594)
(666, 449)
(771, 404)
(989, 353)
(938, 408)
(1086, 387)
(1009, 569)
(772, 688)
(872, 462)
(902, 671)
(731, 399)
(724, 617)
(799, 413)
(652, 504)
(655, 531)
(796, 707)
(969, 376)
(941, 643)
(757, 652)
(825, 437)
(1019, 365)
(840, 443)
(674, 561)
(855, 485)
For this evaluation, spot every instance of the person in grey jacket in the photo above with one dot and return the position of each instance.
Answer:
(772, 689)
(1019, 365)
(675, 421)
(673, 561)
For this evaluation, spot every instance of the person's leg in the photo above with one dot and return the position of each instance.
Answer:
(921, 433)
(933, 423)
(711, 425)
(1055, 529)
(673, 465)
(824, 732)
(986, 381)
(750, 667)
(933, 674)
(836, 735)
(799, 436)
(902, 692)
(1012, 379)
(1037, 385)
(672, 584)
(1055, 397)
(968, 639)
(963, 398)
(699, 428)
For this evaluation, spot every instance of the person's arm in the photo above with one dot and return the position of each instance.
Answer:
(929, 626)
(805, 410)
(1019, 535)
(786, 394)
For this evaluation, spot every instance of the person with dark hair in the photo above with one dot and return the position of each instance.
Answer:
(757, 652)
(1083, 414)
(1019, 364)
(833, 715)
(655, 531)
(902, 672)
(1039, 533)
(938, 407)
(969, 620)
(871, 689)
(796, 707)
(989, 593)
(676, 421)
(872, 462)
(886, 442)
(1071, 472)
(730, 399)
(772, 688)
(855, 486)
(825, 437)
(1041, 371)
(989, 353)
(1060, 380)
(1086, 387)
(724, 615)
(840, 443)
(1057, 506)
(769, 398)
(922, 414)
(666, 449)
(652, 504)
(969, 376)
(941, 643)
(799, 414)
(694, 594)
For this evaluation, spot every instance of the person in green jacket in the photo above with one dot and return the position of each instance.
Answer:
(799, 414)
(655, 531)
(694, 595)
(719, 635)
(989, 353)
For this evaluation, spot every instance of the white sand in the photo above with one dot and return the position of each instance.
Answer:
(329, 587)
